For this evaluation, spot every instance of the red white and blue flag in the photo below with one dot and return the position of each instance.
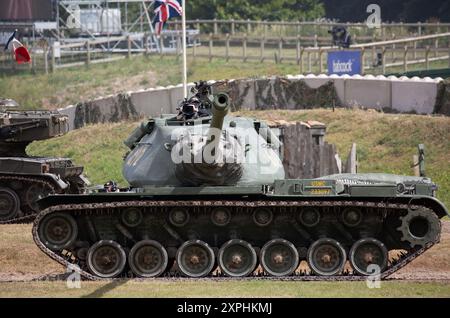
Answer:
(164, 10)
(19, 51)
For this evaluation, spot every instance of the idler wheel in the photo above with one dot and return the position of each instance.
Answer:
(237, 258)
(221, 216)
(148, 259)
(58, 231)
(326, 257)
(368, 251)
(131, 217)
(262, 217)
(351, 217)
(179, 217)
(9, 204)
(195, 258)
(309, 217)
(420, 227)
(279, 257)
(106, 259)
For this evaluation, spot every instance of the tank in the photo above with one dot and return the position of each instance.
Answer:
(208, 198)
(25, 179)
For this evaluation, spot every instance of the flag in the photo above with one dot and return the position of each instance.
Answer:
(19, 51)
(164, 10)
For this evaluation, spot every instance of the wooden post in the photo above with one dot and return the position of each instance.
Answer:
(227, 47)
(263, 42)
(46, 59)
(210, 46)
(309, 62)
(415, 50)
(161, 45)
(194, 50)
(320, 61)
(427, 57)
(88, 52)
(198, 26)
(383, 58)
(265, 28)
(280, 50)
(244, 48)
(147, 49)
(249, 27)
(298, 49)
(232, 27)
(302, 50)
(420, 29)
(53, 68)
(405, 59)
(416, 165)
(436, 47)
(129, 46)
(215, 26)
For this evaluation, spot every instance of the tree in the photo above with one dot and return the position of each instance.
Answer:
(272, 10)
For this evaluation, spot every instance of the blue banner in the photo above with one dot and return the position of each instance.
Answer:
(344, 62)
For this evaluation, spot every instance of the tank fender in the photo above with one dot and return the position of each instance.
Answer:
(430, 202)
(61, 184)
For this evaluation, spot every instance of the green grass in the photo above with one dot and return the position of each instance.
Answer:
(255, 289)
(69, 86)
(385, 142)
(72, 85)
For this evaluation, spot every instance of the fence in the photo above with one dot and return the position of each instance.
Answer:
(312, 30)
(394, 53)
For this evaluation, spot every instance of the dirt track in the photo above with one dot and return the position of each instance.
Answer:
(21, 260)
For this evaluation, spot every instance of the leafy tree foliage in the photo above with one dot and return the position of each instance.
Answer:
(271, 10)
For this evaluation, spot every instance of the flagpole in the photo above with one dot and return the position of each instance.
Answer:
(183, 22)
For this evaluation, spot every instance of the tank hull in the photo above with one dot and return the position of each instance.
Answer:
(295, 229)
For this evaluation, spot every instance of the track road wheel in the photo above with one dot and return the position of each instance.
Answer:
(279, 257)
(195, 258)
(106, 259)
(34, 193)
(326, 257)
(367, 252)
(9, 204)
(237, 258)
(148, 259)
(58, 231)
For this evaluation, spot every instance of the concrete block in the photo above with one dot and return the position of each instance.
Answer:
(152, 102)
(412, 96)
(367, 92)
(70, 112)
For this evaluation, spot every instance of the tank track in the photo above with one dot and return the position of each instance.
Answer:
(394, 265)
(30, 215)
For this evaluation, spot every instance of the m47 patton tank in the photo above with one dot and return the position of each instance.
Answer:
(25, 179)
(207, 192)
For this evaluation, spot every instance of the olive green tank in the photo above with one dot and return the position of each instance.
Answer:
(25, 179)
(208, 197)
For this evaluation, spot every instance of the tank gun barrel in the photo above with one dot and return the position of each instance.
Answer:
(220, 106)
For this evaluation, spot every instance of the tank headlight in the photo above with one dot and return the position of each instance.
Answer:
(45, 168)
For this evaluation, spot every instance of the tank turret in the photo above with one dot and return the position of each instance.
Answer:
(20, 128)
(202, 146)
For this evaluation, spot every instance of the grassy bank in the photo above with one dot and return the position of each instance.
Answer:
(72, 85)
